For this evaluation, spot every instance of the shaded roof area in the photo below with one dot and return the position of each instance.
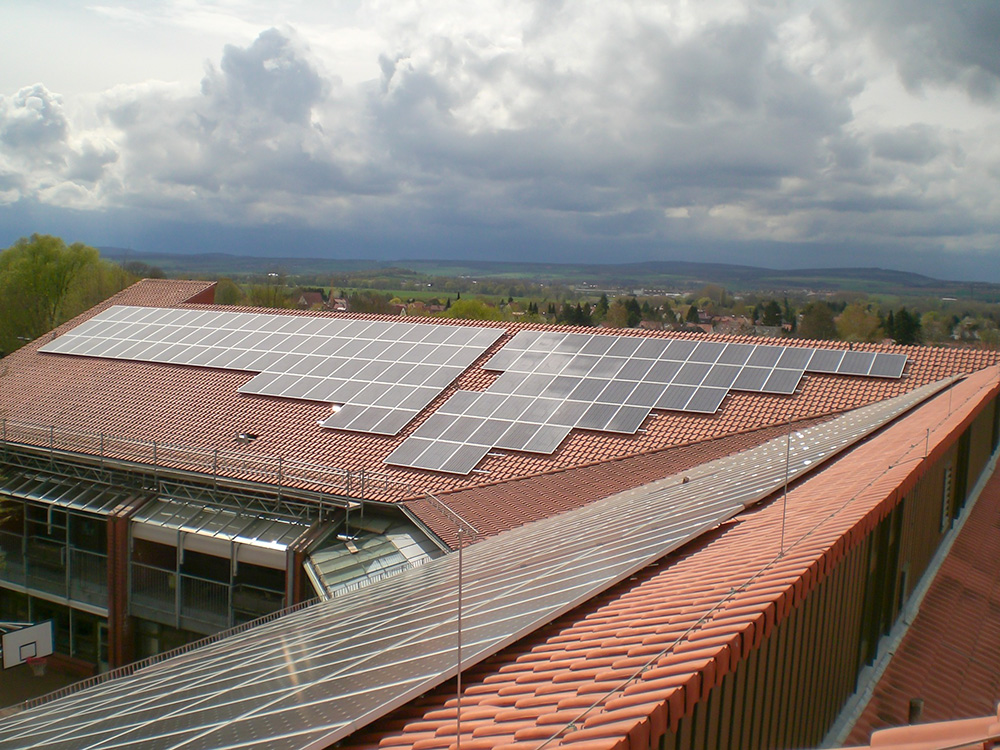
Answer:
(621, 669)
(950, 655)
(167, 404)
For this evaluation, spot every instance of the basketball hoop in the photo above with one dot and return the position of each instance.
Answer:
(37, 664)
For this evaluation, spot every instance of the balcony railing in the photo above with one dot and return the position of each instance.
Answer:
(251, 602)
(88, 579)
(12, 557)
(153, 593)
(49, 566)
(195, 603)
(204, 603)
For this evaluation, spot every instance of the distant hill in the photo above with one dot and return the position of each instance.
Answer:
(667, 275)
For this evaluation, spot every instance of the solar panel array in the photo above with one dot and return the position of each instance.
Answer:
(313, 677)
(383, 373)
(555, 382)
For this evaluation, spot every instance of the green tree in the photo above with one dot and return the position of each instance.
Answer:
(771, 314)
(936, 327)
(859, 323)
(44, 282)
(370, 301)
(617, 316)
(601, 309)
(472, 309)
(906, 327)
(817, 322)
(692, 315)
(228, 292)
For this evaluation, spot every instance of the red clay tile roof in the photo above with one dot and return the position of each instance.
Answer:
(620, 669)
(979, 733)
(167, 404)
(956, 632)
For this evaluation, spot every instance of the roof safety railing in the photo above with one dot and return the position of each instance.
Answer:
(217, 463)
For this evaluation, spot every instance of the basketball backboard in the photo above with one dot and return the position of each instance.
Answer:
(34, 641)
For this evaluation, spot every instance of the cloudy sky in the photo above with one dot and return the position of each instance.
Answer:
(777, 133)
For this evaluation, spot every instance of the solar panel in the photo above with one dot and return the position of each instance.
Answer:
(597, 416)
(591, 378)
(291, 347)
(627, 419)
(782, 381)
(825, 360)
(706, 400)
(313, 677)
(517, 436)
(751, 379)
(888, 365)
(675, 397)
(856, 363)
(546, 439)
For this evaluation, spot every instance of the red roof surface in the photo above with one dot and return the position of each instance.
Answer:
(620, 669)
(950, 656)
(167, 404)
(979, 733)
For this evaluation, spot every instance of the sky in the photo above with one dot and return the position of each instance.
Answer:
(777, 133)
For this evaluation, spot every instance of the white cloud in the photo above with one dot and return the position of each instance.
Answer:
(643, 121)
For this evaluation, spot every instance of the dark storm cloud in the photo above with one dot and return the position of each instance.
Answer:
(934, 42)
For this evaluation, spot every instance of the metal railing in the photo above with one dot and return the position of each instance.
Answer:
(133, 667)
(55, 568)
(153, 592)
(219, 463)
(88, 577)
(12, 567)
(184, 600)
